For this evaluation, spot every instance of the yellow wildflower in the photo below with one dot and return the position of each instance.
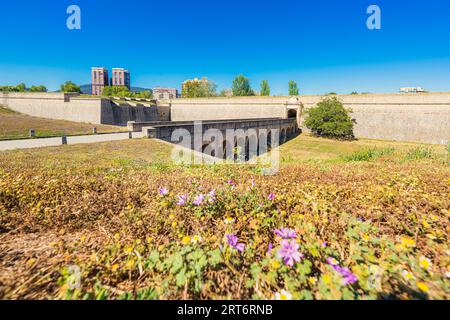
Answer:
(408, 275)
(128, 250)
(186, 240)
(196, 239)
(114, 267)
(228, 220)
(275, 264)
(423, 286)
(425, 263)
(130, 264)
(408, 242)
(283, 295)
(326, 279)
(425, 224)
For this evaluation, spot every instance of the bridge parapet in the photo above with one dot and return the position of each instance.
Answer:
(230, 130)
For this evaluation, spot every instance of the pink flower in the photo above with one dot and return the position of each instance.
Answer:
(182, 199)
(270, 248)
(286, 233)
(198, 200)
(212, 196)
(271, 197)
(347, 276)
(289, 252)
(233, 242)
(163, 191)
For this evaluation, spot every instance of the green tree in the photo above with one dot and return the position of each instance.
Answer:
(38, 89)
(241, 87)
(293, 88)
(265, 89)
(69, 87)
(146, 94)
(330, 119)
(199, 88)
(225, 93)
(19, 88)
(117, 91)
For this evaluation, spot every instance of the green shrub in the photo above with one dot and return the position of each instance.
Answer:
(330, 119)
(420, 153)
(70, 87)
(368, 154)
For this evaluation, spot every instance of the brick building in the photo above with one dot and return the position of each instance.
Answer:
(120, 77)
(165, 93)
(100, 79)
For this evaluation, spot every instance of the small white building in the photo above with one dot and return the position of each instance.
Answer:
(412, 90)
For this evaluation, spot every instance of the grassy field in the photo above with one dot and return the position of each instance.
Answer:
(14, 125)
(366, 219)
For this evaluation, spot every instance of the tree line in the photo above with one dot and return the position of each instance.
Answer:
(21, 87)
(191, 89)
(241, 87)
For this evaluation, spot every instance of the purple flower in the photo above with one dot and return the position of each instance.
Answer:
(182, 199)
(289, 252)
(198, 200)
(270, 248)
(347, 276)
(233, 242)
(286, 233)
(271, 197)
(212, 196)
(163, 191)
(324, 244)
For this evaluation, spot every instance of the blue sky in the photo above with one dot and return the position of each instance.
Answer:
(323, 44)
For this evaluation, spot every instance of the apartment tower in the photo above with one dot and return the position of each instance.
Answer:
(120, 77)
(100, 79)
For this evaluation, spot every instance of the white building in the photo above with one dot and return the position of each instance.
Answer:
(412, 90)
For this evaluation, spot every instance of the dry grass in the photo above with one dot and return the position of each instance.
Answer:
(98, 207)
(14, 125)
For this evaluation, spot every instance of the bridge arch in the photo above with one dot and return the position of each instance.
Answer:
(283, 136)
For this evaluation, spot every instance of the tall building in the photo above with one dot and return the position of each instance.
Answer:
(100, 79)
(120, 77)
(165, 93)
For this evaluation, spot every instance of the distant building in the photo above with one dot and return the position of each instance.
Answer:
(412, 90)
(100, 79)
(120, 77)
(165, 93)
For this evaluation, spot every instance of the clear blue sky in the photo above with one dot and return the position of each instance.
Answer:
(323, 44)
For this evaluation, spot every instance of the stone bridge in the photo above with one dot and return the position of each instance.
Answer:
(262, 133)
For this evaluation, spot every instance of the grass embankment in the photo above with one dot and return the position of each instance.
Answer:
(15, 125)
(365, 224)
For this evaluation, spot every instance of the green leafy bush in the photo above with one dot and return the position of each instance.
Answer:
(330, 119)
(420, 153)
(368, 154)
(70, 87)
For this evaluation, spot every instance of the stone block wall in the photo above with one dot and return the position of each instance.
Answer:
(72, 107)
